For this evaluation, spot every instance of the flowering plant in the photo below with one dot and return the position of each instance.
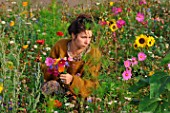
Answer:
(57, 66)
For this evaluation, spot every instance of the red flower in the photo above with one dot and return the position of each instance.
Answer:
(57, 103)
(41, 42)
(59, 33)
(61, 63)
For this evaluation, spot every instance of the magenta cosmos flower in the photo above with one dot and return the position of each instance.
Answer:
(49, 61)
(116, 10)
(142, 2)
(134, 61)
(127, 75)
(140, 17)
(141, 56)
(120, 23)
(127, 63)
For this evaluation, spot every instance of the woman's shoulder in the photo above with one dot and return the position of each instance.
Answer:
(62, 42)
(94, 51)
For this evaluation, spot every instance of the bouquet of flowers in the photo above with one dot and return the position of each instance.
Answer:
(57, 66)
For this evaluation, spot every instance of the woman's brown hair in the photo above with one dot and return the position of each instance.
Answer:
(80, 24)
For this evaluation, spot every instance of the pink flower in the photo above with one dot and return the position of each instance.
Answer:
(120, 23)
(70, 59)
(142, 2)
(127, 63)
(116, 10)
(127, 75)
(141, 56)
(49, 61)
(102, 23)
(169, 66)
(55, 72)
(140, 17)
(50, 71)
(134, 61)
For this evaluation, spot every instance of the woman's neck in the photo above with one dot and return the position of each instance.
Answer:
(74, 49)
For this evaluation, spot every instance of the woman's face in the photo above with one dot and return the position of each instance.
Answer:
(83, 39)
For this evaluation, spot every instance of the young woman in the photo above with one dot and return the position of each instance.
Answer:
(82, 74)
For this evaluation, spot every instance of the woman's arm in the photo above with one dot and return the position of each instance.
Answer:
(84, 86)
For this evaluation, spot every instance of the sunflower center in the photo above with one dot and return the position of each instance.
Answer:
(141, 40)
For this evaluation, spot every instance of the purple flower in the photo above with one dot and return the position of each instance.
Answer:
(116, 10)
(134, 61)
(127, 75)
(127, 63)
(49, 61)
(140, 17)
(142, 2)
(50, 71)
(120, 23)
(141, 56)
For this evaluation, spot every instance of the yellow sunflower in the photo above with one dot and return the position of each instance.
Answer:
(113, 27)
(151, 41)
(141, 40)
(151, 73)
(135, 45)
(1, 87)
(113, 21)
(111, 3)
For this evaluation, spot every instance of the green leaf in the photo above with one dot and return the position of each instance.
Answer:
(150, 105)
(166, 59)
(140, 84)
(158, 84)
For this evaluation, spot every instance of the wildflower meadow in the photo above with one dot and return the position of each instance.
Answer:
(132, 35)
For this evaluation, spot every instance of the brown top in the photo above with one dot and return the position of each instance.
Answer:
(84, 71)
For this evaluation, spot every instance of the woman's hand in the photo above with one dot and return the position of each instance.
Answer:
(67, 78)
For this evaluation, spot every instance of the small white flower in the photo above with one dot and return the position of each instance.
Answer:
(167, 46)
(3, 22)
(9, 10)
(28, 23)
(149, 52)
(110, 102)
(87, 107)
(55, 111)
(115, 101)
(11, 42)
(34, 19)
(71, 105)
(35, 46)
(153, 56)
(13, 3)
(127, 98)
(28, 42)
(48, 48)
(97, 3)
(44, 53)
(67, 104)
(43, 33)
(38, 30)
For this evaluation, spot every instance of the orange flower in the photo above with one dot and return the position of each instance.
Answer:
(57, 103)
(25, 46)
(61, 69)
(24, 4)
(12, 23)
